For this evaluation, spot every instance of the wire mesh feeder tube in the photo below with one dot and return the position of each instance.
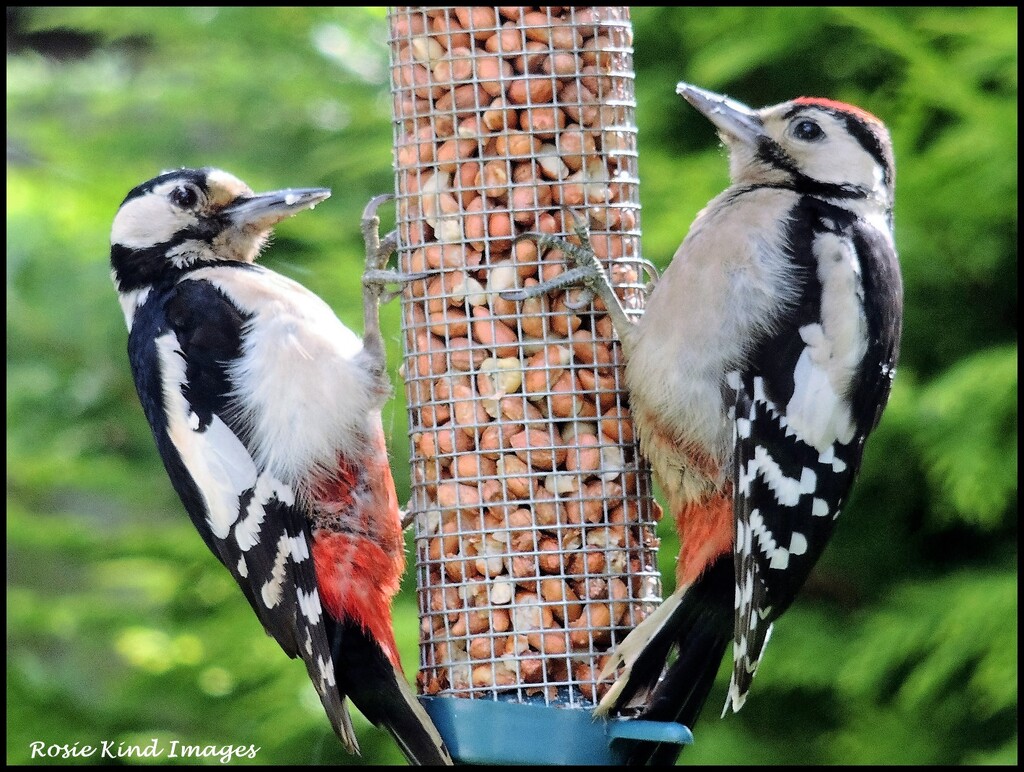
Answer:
(536, 549)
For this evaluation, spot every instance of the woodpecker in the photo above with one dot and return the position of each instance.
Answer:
(265, 409)
(763, 360)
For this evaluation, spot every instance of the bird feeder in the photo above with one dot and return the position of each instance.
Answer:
(534, 518)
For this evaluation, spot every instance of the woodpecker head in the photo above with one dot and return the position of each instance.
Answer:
(189, 217)
(825, 147)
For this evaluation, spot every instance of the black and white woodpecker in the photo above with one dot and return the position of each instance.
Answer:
(265, 409)
(763, 360)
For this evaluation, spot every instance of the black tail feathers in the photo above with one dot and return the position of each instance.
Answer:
(699, 630)
(365, 674)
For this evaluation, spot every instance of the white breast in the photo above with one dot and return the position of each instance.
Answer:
(303, 385)
(724, 285)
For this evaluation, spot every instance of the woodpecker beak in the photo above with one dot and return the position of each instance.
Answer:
(734, 120)
(265, 210)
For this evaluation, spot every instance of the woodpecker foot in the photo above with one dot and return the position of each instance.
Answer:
(379, 249)
(377, 280)
(585, 269)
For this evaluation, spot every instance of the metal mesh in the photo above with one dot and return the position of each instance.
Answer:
(536, 551)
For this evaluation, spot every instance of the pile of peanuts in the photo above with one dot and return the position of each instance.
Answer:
(536, 549)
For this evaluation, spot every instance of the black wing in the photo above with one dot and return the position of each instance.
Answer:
(181, 343)
(801, 422)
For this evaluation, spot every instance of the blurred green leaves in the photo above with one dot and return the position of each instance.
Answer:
(121, 625)
(967, 435)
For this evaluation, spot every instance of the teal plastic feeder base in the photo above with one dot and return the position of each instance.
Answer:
(488, 732)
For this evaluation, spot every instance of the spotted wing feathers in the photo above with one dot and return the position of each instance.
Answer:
(786, 503)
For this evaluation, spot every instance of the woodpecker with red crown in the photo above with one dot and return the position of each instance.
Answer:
(763, 360)
(265, 409)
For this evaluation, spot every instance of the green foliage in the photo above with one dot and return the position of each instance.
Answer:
(968, 439)
(121, 625)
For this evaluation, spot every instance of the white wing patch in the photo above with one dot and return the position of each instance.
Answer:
(818, 410)
(745, 591)
(215, 458)
(295, 548)
(300, 550)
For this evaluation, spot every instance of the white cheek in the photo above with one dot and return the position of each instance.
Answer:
(146, 221)
(840, 160)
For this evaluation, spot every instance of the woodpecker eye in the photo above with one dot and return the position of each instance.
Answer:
(185, 196)
(808, 131)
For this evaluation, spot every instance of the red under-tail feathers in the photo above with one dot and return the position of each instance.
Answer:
(358, 552)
